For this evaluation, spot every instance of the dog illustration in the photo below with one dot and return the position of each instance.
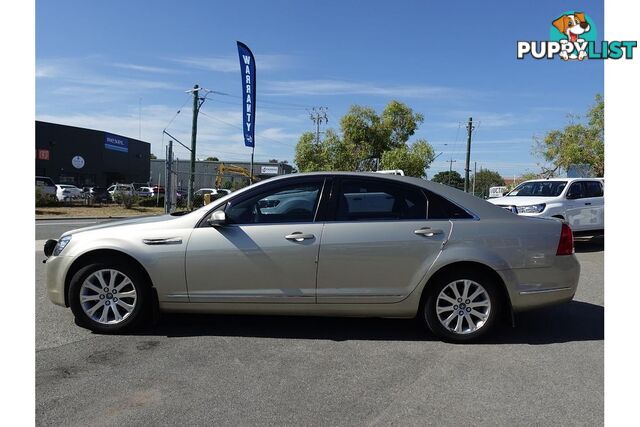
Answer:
(573, 26)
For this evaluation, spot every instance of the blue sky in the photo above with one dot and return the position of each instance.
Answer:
(105, 65)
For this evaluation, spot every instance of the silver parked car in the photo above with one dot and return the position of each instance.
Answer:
(334, 244)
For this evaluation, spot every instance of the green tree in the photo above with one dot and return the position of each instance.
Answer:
(577, 143)
(412, 160)
(152, 156)
(485, 179)
(364, 138)
(452, 179)
(211, 159)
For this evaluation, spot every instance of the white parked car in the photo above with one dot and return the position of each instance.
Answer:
(214, 191)
(66, 192)
(120, 188)
(46, 186)
(579, 201)
(145, 192)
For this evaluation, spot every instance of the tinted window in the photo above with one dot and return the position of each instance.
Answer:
(539, 188)
(575, 191)
(593, 189)
(291, 203)
(363, 200)
(441, 208)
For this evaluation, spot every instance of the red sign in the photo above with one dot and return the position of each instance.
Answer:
(42, 154)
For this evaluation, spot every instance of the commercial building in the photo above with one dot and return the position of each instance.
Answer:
(87, 157)
(207, 171)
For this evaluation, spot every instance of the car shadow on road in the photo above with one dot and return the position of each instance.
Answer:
(593, 244)
(574, 321)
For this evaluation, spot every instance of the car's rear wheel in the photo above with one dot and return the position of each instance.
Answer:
(108, 296)
(462, 306)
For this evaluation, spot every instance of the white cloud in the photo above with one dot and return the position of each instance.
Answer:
(343, 87)
(145, 68)
(231, 64)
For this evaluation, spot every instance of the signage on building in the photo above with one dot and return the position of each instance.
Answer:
(268, 170)
(42, 154)
(116, 143)
(77, 162)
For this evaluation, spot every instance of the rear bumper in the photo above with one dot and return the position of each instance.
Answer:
(531, 288)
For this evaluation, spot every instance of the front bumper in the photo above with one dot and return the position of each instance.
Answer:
(56, 271)
(531, 288)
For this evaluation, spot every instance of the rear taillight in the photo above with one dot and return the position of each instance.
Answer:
(565, 246)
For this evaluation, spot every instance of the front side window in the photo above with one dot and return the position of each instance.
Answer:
(291, 203)
(363, 200)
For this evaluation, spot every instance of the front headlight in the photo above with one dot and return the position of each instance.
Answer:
(531, 208)
(62, 243)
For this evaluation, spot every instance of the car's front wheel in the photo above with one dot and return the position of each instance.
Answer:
(462, 306)
(108, 296)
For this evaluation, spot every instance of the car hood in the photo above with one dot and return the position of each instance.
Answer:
(520, 200)
(126, 222)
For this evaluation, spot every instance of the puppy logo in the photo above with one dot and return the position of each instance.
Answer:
(573, 26)
(574, 36)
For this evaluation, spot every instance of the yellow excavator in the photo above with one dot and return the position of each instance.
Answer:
(233, 169)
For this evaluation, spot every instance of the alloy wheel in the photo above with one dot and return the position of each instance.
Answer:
(108, 296)
(463, 306)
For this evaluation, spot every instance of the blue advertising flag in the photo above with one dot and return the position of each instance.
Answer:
(248, 71)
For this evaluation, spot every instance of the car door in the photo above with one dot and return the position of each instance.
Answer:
(377, 242)
(267, 251)
(577, 211)
(594, 204)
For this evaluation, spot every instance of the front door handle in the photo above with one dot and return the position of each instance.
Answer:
(428, 232)
(299, 236)
(587, 203)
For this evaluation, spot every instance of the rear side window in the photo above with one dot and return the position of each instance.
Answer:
(594, 189)
(370, 200)
(576, 191)
(440, 208)
(44, 182)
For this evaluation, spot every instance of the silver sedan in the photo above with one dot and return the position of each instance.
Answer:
(330, 244)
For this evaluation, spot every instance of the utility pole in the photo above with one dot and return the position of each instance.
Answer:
(475, 173)
(318, 117)
(194, 131)
(466, 168)
(451, 162)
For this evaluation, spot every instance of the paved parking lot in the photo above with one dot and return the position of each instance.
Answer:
(234, 370)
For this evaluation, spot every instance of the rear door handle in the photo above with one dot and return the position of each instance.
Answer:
(428, 232)
(299, 236)
(587, 203)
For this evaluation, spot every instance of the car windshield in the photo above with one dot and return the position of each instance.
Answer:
(539, 189)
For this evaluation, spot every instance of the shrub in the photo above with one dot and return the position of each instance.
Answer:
(149, 202)
(125, 199)
(44, 200)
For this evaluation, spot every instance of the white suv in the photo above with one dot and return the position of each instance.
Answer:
(579, 201)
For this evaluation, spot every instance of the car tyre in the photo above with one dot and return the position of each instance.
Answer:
(117, 303)
(462, 306)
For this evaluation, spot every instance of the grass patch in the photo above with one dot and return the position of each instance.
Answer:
(96, 211)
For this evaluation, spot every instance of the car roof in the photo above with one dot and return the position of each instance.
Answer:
(471, 203)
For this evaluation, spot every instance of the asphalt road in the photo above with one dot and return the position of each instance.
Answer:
(248, 370)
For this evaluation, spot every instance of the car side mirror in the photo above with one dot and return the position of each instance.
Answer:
(218, 218)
